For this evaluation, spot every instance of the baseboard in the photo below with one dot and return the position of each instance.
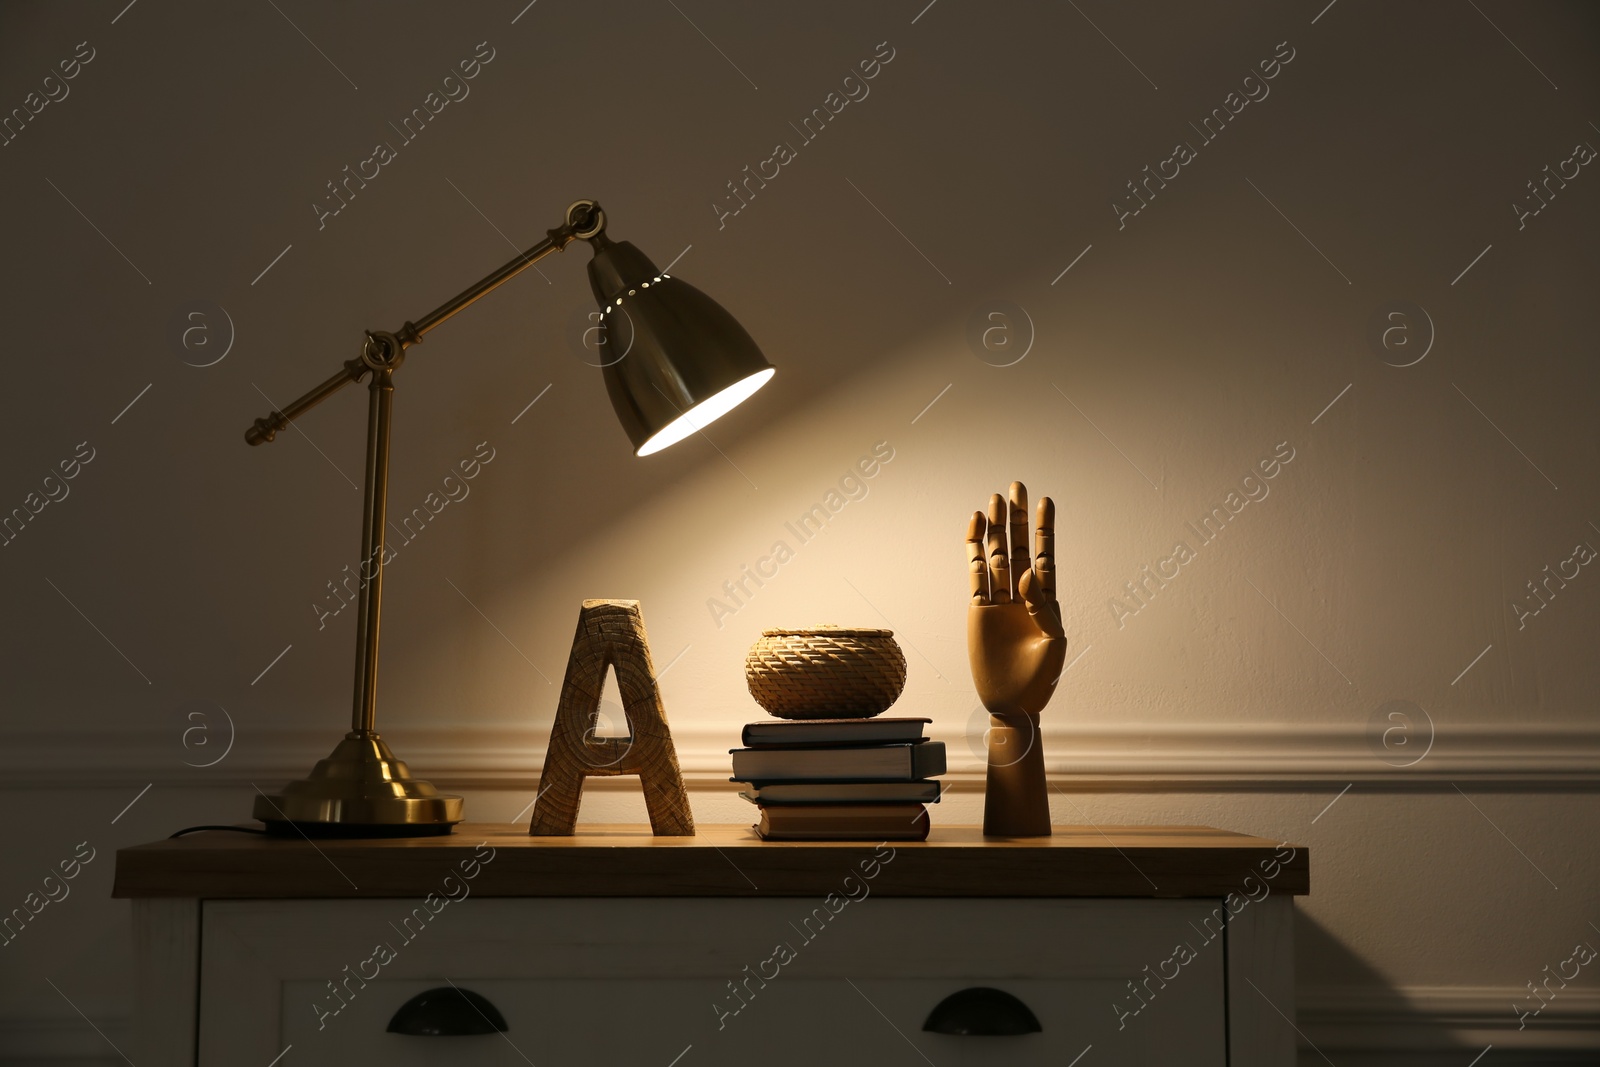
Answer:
(1439, 1018)
(1126, 758)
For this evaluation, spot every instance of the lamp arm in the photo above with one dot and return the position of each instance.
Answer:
(584, 220)
(381, 356)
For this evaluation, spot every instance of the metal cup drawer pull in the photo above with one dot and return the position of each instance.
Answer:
(448, 1011)
(981, 1011)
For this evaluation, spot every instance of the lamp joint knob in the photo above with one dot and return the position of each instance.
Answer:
(382, 351)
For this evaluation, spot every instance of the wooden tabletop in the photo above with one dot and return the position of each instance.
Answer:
(720, 861)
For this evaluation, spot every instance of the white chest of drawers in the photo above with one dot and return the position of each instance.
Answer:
(1123, 946)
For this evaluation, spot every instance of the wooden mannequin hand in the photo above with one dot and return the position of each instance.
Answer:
(1015, 638)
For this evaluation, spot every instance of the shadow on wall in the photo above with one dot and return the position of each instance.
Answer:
(1359, 1014)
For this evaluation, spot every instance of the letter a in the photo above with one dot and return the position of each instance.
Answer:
(611, 636)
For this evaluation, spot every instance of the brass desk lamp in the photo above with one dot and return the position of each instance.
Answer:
(688, 362)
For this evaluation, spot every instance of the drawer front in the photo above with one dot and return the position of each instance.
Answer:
(785, 981)
(792, 1022)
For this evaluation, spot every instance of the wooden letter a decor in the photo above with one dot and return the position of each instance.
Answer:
(610, 634)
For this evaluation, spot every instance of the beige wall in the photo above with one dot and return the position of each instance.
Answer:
(1210, 330)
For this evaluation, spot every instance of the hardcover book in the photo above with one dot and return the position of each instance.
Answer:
(780, 793)
(845, 822)
(833, 732)
(880, 763)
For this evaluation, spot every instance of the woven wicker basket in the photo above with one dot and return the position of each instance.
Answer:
(825, 673)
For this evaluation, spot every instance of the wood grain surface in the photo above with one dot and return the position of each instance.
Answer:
(718, 861)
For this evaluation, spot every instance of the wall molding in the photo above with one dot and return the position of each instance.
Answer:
(1270, 756)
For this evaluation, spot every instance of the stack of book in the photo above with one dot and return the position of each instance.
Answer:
(840, 779)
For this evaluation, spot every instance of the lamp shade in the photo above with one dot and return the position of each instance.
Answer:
(681, 361)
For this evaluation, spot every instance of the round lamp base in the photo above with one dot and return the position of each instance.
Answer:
(360, 790)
